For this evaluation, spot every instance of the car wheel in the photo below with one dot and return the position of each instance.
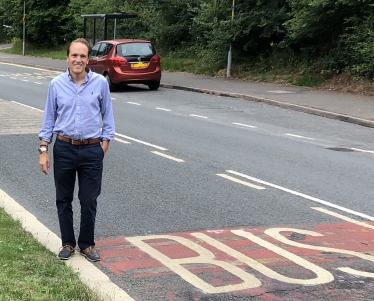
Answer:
(112, 87)
(154, 85)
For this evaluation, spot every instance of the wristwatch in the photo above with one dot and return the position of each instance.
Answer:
(42, 149)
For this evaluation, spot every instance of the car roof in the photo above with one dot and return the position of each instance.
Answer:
(121, 41)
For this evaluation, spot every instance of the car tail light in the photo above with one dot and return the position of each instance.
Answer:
(156, 59)
(118, 60)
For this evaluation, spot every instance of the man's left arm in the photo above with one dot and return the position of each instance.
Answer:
(105, 145)
(108, 128)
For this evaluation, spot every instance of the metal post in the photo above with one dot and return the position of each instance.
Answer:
(115, 28)
(229, 63)
(94, 33)
(24, 27)
(105, 28)
(229, 56)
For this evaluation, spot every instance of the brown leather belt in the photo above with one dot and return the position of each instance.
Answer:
(79, 142)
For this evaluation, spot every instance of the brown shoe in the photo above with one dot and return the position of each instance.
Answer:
(66, 252)
(90, 253)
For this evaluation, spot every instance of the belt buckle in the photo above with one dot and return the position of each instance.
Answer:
(75, 142)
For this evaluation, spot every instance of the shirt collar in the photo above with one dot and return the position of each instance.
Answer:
(88, 76)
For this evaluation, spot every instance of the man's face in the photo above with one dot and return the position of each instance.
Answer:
(77, 58)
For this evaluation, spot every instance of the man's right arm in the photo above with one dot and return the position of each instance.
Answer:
(44, 161)
(50, 115)
(46, 132)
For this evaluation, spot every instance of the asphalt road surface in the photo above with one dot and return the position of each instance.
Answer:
(211, 198)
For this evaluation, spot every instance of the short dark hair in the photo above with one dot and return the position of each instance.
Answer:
(79, 40)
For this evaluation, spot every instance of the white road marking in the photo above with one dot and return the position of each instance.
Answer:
(162, 109)
(2, 75)
(362, 150)
(25, 80)
(122, 141)
(323, 276)
(142, 142)
(207, 257)
(168, 157)
(38, 83)
(240, 181)
(13, 78)
(305, 196)
(88, 273)
(281, 92)
(204, 257)
(276, 234)
(198, 116)
(112, 98)
(21, 104)
(134, 103)
(345, 218)
(246, 125)
(302, 137)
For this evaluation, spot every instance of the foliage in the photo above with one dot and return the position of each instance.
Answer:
(321, 36)
(358, 41)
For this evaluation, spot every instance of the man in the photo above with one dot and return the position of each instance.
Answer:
(79, 112)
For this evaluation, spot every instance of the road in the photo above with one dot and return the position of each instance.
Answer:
(211, 198)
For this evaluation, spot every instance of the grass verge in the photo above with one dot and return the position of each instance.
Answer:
(30, 272)
(272, 70)
(260, 71)
(54, 53)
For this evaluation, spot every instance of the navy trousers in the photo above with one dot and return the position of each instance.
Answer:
(86, 162)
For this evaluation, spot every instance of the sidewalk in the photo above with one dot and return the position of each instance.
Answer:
(351, 108)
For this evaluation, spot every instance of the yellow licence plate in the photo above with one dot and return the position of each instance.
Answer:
(139, 65)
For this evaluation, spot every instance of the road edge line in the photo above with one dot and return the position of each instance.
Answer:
(281, 104)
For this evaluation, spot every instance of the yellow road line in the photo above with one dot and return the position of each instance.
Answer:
(345, 218)
(240, 181)
(166, 156)
(122, 141)
(29, 67)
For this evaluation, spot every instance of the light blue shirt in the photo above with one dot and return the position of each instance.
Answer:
(78, 112)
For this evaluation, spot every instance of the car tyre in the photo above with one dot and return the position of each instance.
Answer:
(154, 85)
(112, 87)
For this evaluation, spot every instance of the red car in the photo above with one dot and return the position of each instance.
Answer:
(126, 61)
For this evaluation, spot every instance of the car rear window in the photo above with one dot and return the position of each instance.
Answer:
(137, 49)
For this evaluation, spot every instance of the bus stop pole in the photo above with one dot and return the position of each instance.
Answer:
(229, 55)
(94, 35)
(24, 28)
(85, 28)
(115, 28)
(105, 28)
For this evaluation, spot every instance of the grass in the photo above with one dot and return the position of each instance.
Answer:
(30, 272)
(190, 65)
(54, 53)
(307, 81)
(262, 70)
